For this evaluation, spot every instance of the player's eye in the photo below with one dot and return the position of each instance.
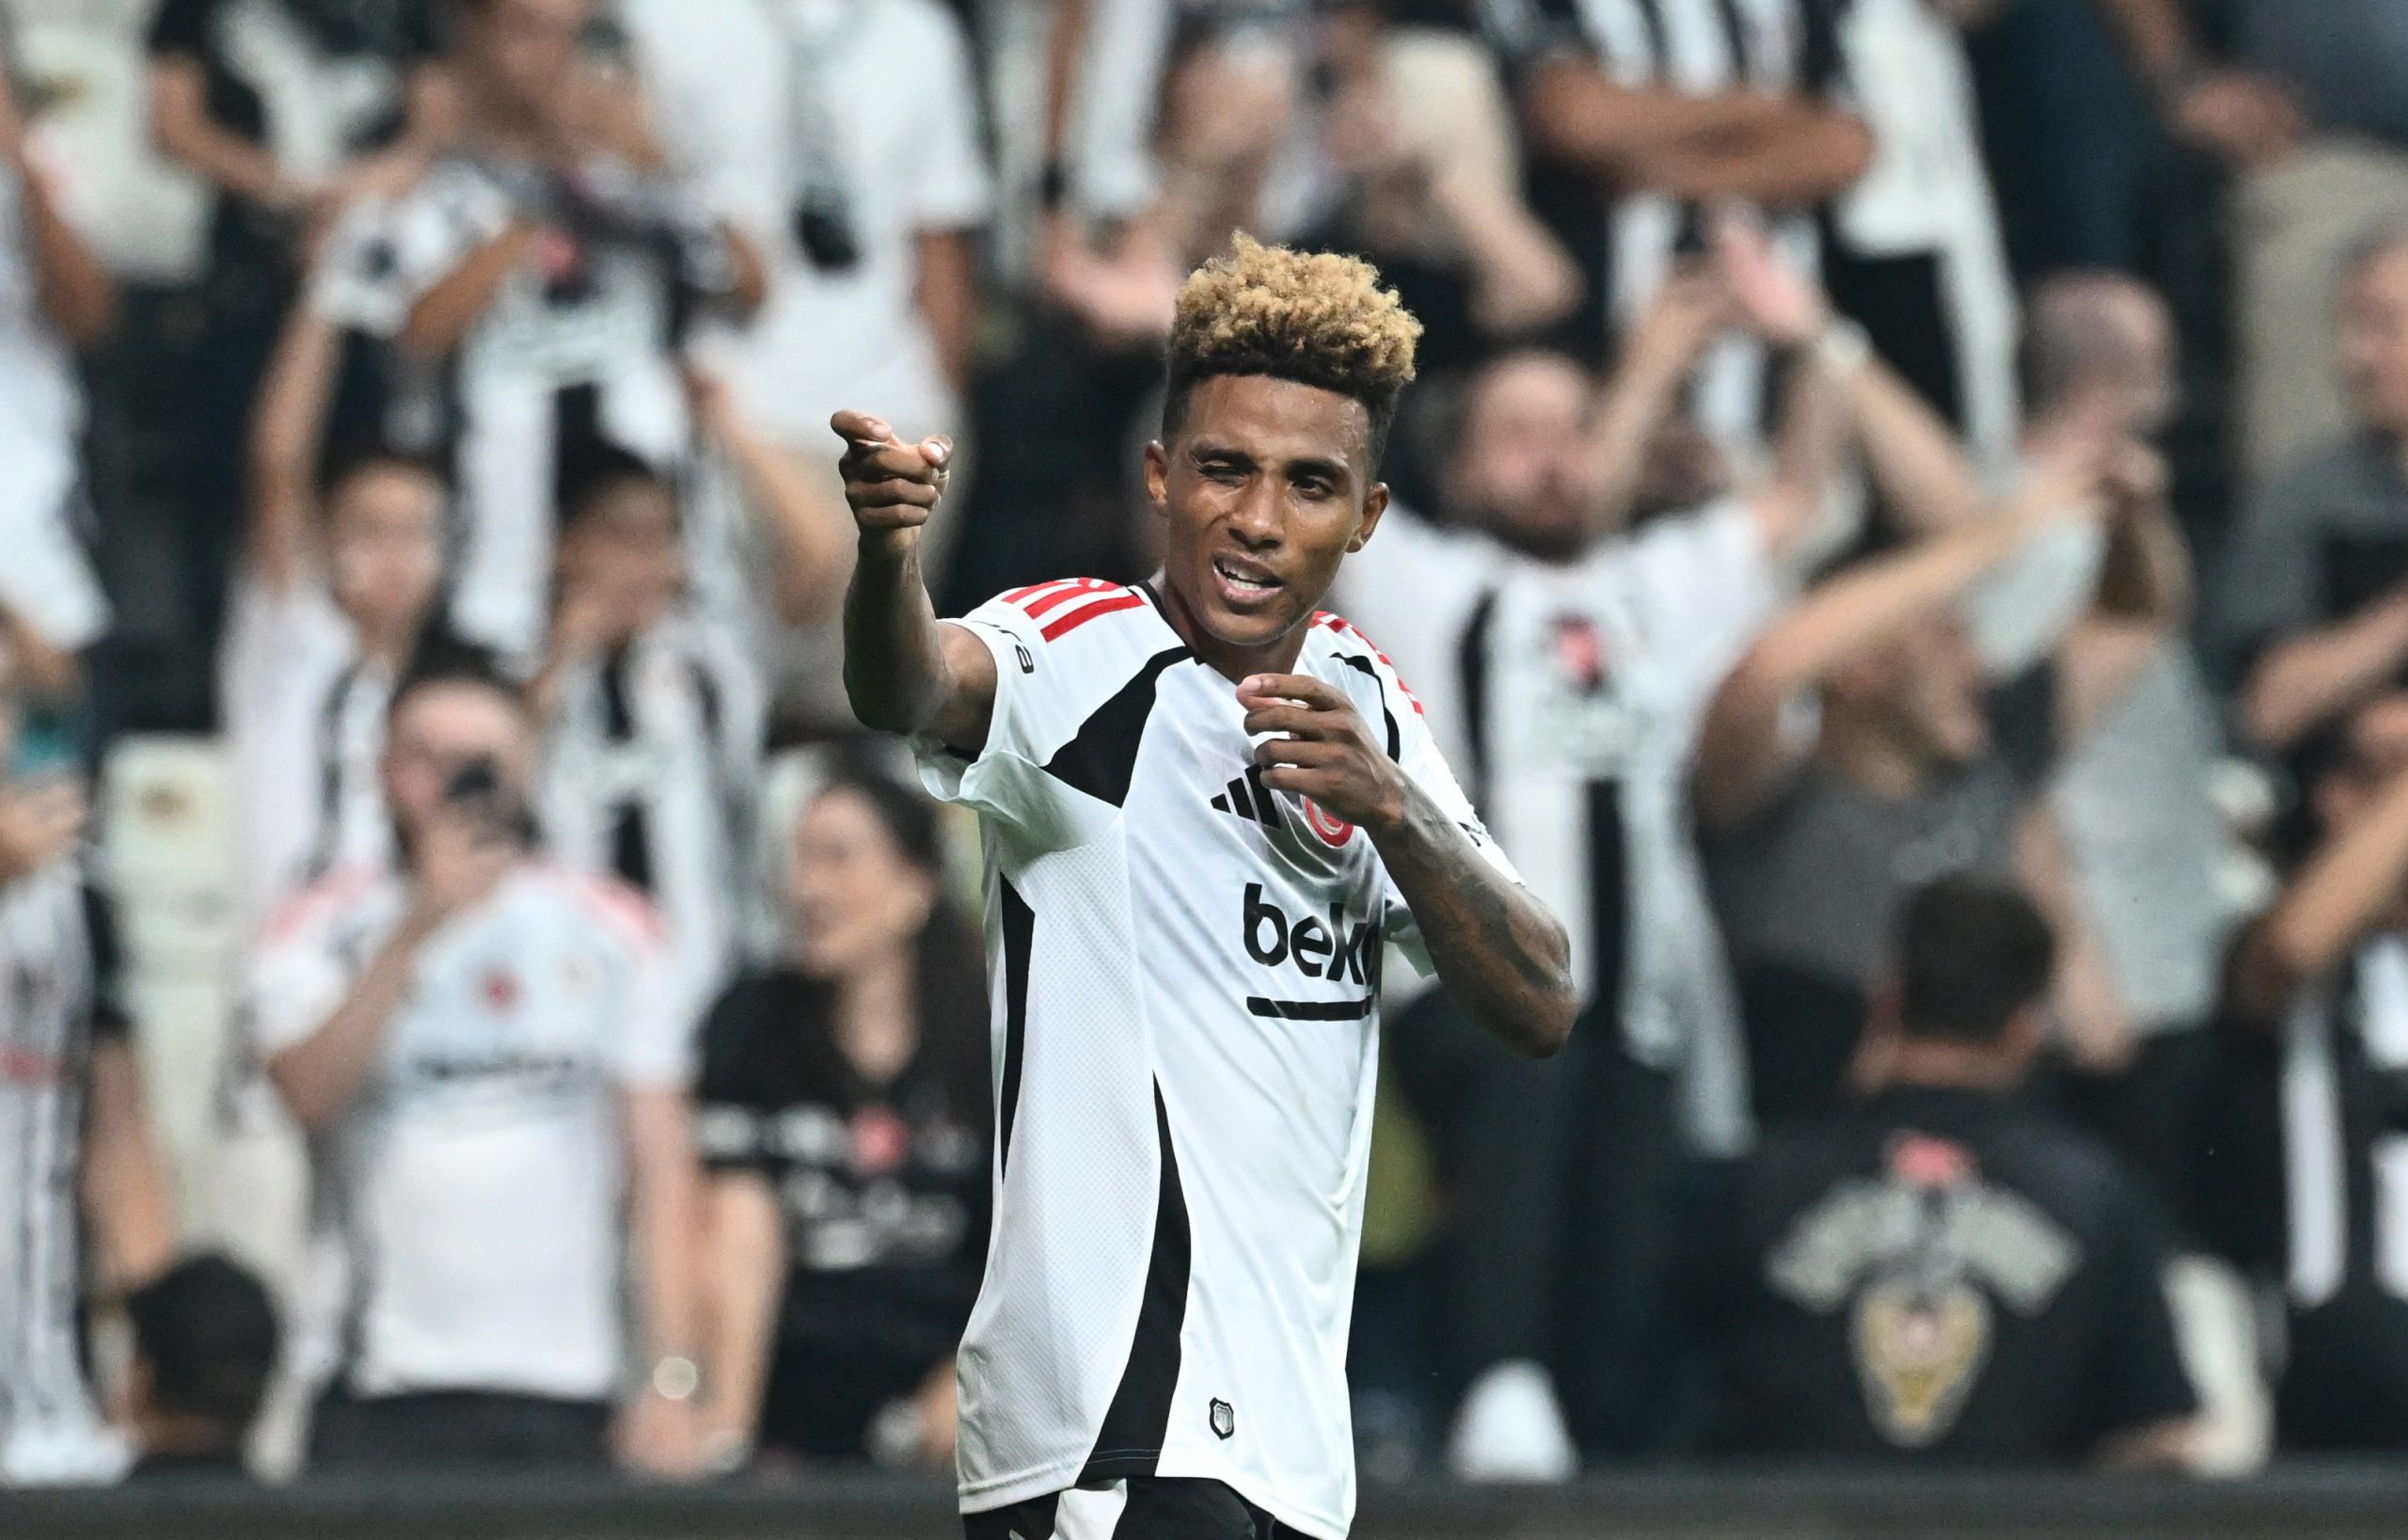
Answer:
(1227, 472)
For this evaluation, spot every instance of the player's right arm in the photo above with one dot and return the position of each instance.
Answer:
(903, 671)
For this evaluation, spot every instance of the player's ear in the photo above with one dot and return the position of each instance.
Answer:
(1375, 503)
(1158, 476)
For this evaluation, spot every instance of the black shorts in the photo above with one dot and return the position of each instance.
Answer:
(1140, 1508)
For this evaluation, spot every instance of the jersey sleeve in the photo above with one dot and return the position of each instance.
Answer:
(1426, 768)
(1046, 684)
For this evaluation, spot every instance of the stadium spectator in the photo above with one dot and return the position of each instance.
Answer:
(1583, 656)
(652, 719)
(80, 1155)
(551, 262)
(2316, 596)
(2309, 113)
(292, 108)
(2316, 1006)
(1644, 114)
(204, 1346)
(1424, 174)
(1090, 264)
(1943, 1275)
(843, 1116)
(1912, 250)
(491, 1056)
(289, 111)
(2134, 862)
(55, 298)
(1859, 750)
(339, 581)
(864, 190)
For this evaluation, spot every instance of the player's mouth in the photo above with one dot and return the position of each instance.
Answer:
(1244, 584)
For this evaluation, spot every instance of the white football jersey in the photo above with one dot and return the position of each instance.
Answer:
(1184, 970)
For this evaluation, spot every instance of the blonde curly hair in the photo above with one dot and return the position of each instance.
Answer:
(1317, 319)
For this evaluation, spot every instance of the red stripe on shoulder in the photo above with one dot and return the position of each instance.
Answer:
(1071, 620)
(1019, 594)
(1054, 595)
(1340, 625)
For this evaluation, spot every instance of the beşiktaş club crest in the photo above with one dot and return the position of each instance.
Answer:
(1225, 1418)
(1922, 1257)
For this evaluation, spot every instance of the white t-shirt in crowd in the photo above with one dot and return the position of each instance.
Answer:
(305, 722)
(476, 1182)
(1185, 968)
(799, 83)
(1584, 687)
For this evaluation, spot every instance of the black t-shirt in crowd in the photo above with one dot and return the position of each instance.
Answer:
(1945, 1275)
(322, 80)
(883, 1189)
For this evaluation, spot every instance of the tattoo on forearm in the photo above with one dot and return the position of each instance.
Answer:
(1498, 952)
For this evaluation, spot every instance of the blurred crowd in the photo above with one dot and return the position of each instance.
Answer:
(1902, 530)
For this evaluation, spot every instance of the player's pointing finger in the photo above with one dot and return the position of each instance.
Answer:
(861, 428)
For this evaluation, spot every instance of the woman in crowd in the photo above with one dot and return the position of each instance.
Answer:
(844, 1119)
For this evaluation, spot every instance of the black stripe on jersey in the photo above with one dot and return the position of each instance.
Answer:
(1396, 737)
(1129, 1443)
(1472, 670)
(1608, 894)
(1020, 935)
(1100, 756)
(331, 724)
(1311, 1010)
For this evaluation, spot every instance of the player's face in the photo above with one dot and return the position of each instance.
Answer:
(438, 730)
(2374, 340)
(1264, 488)
(383, 545)
(858, 900)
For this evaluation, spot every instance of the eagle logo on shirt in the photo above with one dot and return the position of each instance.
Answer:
(1921, 1258)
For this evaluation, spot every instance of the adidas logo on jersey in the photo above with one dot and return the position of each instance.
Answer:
(1249, 799)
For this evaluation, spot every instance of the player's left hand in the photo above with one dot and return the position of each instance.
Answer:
(1326, 750)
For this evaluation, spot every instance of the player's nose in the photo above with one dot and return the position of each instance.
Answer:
(1259, 519)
